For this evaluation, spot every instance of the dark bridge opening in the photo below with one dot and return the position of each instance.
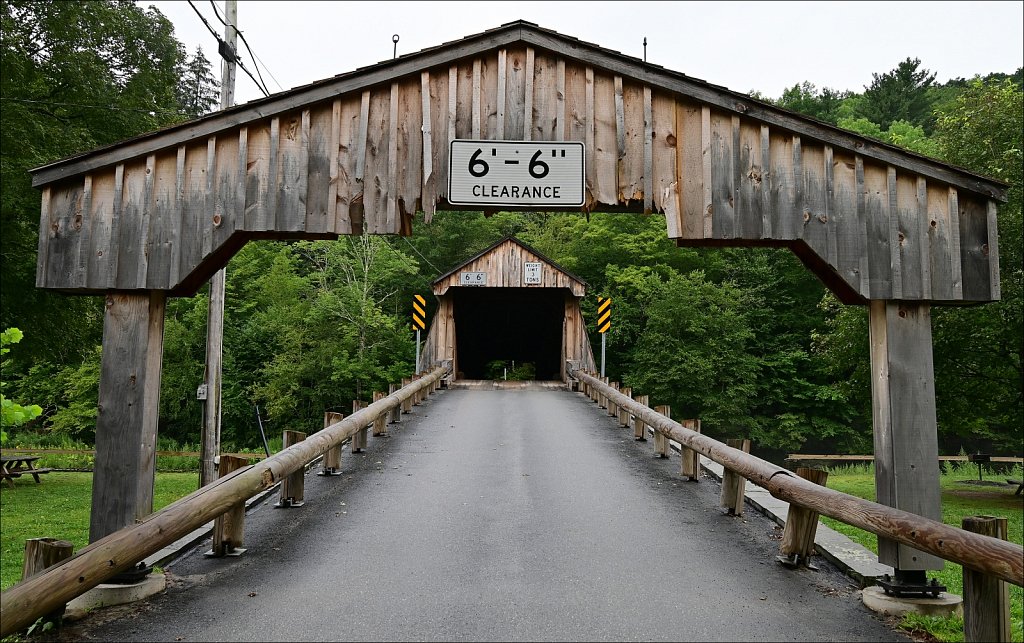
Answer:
(521, 324)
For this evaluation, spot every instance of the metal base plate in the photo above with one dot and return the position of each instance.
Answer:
(287, 504)
(237, 551)
(794, 561)
(893, 587)
(330, 472)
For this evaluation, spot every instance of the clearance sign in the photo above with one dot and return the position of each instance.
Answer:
(550, 174)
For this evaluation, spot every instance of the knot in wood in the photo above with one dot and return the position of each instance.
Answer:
(934, 223)
(807, 215)
(902, 238)
(78, 222)
(217, 220)
(823, 218)
(984, 249)
(670, 140)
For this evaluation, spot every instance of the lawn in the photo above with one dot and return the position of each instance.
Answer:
(960, 498)
(59, 508)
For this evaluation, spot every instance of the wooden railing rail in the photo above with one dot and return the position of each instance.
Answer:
(801, 457)
(985, 554)
(172, 454)
(26, 601)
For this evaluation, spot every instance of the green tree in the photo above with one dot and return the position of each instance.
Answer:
(198, 89)
(900, 94)
(805, 98)
(12, 414)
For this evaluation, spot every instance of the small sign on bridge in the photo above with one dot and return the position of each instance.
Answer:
(516, 173)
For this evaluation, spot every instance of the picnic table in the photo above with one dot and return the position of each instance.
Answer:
(15, 466)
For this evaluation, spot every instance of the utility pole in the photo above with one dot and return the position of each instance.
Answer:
(210, 447)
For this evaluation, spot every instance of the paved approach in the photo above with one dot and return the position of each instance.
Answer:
(500, 515)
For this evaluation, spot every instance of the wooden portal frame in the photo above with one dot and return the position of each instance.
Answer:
(363, 152)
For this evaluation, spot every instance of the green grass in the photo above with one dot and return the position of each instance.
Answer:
(959, 499)
(59, 508)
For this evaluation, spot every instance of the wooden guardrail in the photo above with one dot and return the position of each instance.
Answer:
(985, 554)
(33, 597)
(173, 454)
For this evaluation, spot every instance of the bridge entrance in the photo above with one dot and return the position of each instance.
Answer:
(518, 326)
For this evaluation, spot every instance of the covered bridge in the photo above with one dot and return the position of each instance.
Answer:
(363, 152)
(509, 302)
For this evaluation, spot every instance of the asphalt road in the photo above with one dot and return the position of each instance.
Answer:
(500, 515)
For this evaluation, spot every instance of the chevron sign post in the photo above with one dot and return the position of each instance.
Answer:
(604, 322)
(419, 322)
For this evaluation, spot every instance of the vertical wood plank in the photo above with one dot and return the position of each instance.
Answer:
(102, 240)
(590, 129)
(43, 256)
(895, 234)
(84, 222)
(876, 211)
(375, 187)
(428, 151)
(528, 95)
(749, 178)
(664, 175)
(318, 130)
(489, 98)
(292, 168)
(335, 162)
(257, 177)
(620, 120)
(815, 214)
(229, 168)
(364, 128)
(515, 88)
(544, 100)
(605, 188)
(631, 162)
(831, 243)
(476, 132)
(691, 169)
(975, 270)
(924, 236)
(723, 176)
(937, 222)
(131, 245)
(847, 232)
(411, 130)
(559, 129)
(954, 244)
(163, 202)
(862, 224)
(648, 150)
(501, 98)
(148, 188)
(765, 184)
(392, 223)
(911, 244)
(992, 253)
(706, 171)
(576, 116)
(210, 198)
(178, 215)
(349, 196)
(442, 128)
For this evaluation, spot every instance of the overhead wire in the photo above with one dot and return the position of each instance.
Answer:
(256, 62)
(152, 110)
(220, 41)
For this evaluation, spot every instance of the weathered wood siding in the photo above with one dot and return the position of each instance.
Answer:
(367, 159)
(504, 268)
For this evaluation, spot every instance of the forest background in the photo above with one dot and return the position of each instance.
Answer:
(746, 339)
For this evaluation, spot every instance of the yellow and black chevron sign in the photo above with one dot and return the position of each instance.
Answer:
(419, 312)
(604, 314)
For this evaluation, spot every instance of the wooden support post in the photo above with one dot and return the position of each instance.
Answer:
(797, 544)
(294, 485)
(689, 460)
(332, 457)
(613, 409)
(603, 398)
(734, 485)
(986, 598)
(639, 428)
(905, 430)
(395, 415)
(407, 402)
(624, 413)
(129, 405)
(229, 527)
(418, 395)
(380, 422)
(660, 439)
(41, 553)
(359, 439)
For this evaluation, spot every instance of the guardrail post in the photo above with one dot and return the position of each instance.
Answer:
(613, 408)
(395, 415)
(733, 484)
(41, 553)
(359, 440)
(407, 402)
(380, 422)
(594, 396)
(229, 527)
(294, 485)
(797, 544)
(332, 457)
(604, 398)
(986, 598)
(417, 397)
(624, 413)
(660, 439)
(639, 428)
(689, 460)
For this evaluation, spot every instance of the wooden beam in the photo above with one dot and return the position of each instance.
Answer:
(905, 430)
(128, 410)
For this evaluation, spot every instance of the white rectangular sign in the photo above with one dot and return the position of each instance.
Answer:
(472, 278)
(531, 272)
(517, 173)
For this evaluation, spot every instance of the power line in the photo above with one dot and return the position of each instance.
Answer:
(153, 110)
(421, 256)
(225, 48)
(256, 65)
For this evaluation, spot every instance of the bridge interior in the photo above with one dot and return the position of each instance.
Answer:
(521, 324)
